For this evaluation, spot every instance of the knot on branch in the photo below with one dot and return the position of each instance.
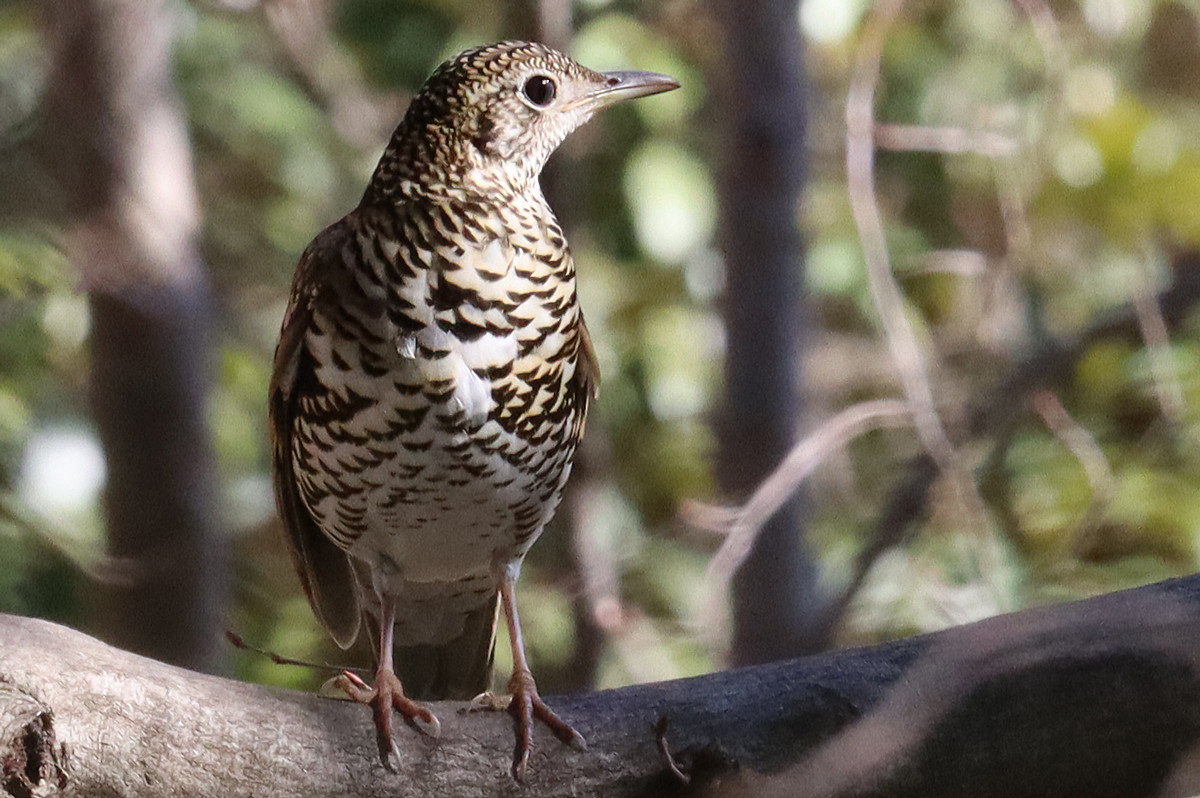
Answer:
(32, 762)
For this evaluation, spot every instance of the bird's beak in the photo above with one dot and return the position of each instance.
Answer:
(620, 86)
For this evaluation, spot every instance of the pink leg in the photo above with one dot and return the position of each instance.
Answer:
(526, 703)
(388, 693)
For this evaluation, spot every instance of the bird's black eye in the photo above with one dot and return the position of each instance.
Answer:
(540, 89)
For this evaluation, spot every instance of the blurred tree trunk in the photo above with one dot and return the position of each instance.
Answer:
(115, 152)
(760, 97)
(546, 21)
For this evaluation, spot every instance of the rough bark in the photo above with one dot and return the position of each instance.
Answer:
(1097, 698)
(760, 101)
(114, 144)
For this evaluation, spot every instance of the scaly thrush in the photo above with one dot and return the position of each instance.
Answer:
(431, 383)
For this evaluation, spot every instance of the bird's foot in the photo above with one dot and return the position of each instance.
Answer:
(387, 695)
(525, 705)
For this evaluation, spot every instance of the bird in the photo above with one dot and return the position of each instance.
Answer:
(431, 384)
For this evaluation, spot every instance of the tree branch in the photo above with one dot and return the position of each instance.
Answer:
(1097, 698)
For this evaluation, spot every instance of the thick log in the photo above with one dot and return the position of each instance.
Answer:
(1096, 698)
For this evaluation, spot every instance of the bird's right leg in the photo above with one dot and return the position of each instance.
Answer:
(526, 704)
(388, 694)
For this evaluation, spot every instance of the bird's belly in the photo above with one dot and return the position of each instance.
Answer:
(424, 483)
(431, 504)
(443, 522)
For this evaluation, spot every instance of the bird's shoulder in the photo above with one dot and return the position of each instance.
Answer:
(312, 290)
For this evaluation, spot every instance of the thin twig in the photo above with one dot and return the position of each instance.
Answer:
(885, 292)
(1079, 441)
(600, 614)
(949, 140)
(554, 22)
(1016, 176)
(1045, 28)
(960, 262)
(1018, 235)
(596, 558)
(1087, 451)
(239, 642)
(664, 749)
(91, 561)
(773, 493)
(626, 631)
(1164, 373)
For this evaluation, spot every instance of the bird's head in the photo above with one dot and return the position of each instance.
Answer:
(487, 120)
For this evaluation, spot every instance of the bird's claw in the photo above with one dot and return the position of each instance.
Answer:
(386, 696)
(489, 702)
(524, 704)
(351, 684)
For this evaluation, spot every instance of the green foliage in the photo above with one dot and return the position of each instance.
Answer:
(399, 43)
(1075, 223)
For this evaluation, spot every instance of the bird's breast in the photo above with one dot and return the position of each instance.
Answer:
(443, 430)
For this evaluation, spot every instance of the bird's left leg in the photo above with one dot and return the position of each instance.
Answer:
(388, 694)
(525, 703)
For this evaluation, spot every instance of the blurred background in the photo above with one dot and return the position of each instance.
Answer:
(978, 330)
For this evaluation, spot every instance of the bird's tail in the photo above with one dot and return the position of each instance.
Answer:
(458, 670)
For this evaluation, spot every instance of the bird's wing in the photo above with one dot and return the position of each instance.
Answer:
(587, 372)
(586, 380)
(325, 570)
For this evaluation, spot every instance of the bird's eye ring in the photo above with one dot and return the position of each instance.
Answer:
(540, 90)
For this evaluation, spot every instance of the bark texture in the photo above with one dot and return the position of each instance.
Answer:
(1097, 698)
